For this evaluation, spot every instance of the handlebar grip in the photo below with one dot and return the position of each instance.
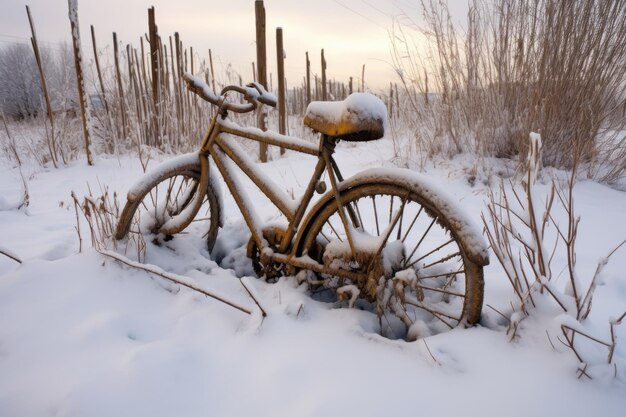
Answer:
(253, 93)
(260, 94)
(199, 87)
(270, 101)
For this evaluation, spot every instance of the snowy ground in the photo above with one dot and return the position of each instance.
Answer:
(85, 336)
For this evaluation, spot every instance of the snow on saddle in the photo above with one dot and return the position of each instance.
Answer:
(360, 117)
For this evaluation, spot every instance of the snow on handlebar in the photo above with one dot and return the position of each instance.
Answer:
(254, 93)
(257, 92)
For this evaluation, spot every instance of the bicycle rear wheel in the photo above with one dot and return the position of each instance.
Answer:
(428, 279)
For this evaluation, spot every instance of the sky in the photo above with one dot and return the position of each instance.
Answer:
(351, 32)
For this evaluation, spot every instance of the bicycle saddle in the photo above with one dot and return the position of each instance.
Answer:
(360, 117)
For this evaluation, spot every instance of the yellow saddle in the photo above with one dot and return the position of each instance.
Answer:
(360, 117)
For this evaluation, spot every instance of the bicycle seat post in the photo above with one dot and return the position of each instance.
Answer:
(328, 143)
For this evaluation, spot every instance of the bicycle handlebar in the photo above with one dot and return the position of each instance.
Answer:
(253, 93)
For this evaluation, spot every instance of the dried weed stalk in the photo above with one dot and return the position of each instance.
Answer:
(101, 214)
(13, 150)
(516, 66)
(516, 225)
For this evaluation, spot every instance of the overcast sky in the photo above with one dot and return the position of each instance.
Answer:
(352, 32)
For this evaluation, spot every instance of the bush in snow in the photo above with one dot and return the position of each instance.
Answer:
(525, 235)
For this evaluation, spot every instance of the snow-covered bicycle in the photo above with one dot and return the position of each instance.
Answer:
(384, 238)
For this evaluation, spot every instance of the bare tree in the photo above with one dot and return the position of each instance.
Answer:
(20, 88)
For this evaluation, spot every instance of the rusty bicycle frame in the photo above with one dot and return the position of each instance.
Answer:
(277, 251)
(223, 150)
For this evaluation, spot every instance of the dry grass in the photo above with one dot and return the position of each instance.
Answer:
(558, 68)
(525, 237)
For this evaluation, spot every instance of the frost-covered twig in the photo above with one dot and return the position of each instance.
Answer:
(569, 332)
(518, 239)
(13, 147)
(430, 353)
(585, 305)
(101, 214)
(9, 254)
(175, 278)
(612, 324)
(500, 313)
(80, 239)
(595, 339)
(241, 281)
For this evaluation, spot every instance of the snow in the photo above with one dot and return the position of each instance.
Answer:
(466, 228)
(197, 82)
(361, 105)
(144, 182)
(534, 155)
(81, 334)
(358, 112)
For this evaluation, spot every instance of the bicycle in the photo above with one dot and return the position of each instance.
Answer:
(384, 238)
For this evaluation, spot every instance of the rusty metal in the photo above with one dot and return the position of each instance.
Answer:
(276, 251)
(241, 159)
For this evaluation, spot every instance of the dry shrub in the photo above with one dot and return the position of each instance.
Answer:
(553, 67)
(525, 236)
(101, 215)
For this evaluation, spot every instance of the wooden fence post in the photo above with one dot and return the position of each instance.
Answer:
(154, 55)
(390, 110)
(111, 145)
(397, 101)
(212, 72)
(82, 98)
(324, 92)
(98, 71)
(154, 70)
(120, 87)
(282, 105)
(261, 58)
(363, 79)
(44, 87)
(308, 80)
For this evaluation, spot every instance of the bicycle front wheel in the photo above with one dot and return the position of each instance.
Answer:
(162, 195)
(432, 275)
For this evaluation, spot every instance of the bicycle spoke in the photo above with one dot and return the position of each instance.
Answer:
(335, 231)
(153, 197)
(358, 213)
(352, 214)
(444, 274)
(168, 200)
(389, 229)
(395, 217)
(442, 260)
(376, 215)
(412, 223)
(400, 225)
(436, 313)
(456, 294)
(434, 250)
(420, 242)
(200, 219)
(177, 196)
(148, 211)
